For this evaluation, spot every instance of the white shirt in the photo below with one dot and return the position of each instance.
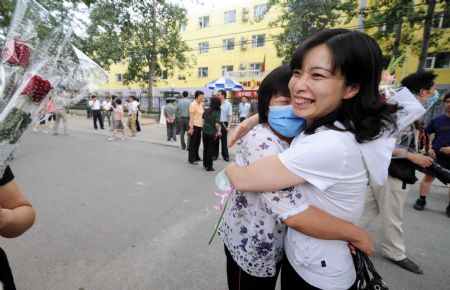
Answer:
(225, 111)
(332, 165)
(95, 105)
(106, 105)
(252, 227)
(132, 107)
(244, 109)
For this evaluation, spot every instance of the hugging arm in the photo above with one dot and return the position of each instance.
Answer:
(16, 213)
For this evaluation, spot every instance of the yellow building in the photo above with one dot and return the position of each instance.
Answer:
(237, 42)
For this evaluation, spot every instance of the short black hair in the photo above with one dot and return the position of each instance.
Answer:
(223, 93)
(215, 104)
(198, 93)
(275, 83)
(93, 96)
(419, 80)
(446, 96)
(118, 101)
(185, 94)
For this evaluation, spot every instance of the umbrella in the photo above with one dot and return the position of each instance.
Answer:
(225, 84)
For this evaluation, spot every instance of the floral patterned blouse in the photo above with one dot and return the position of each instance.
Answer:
(251, 227)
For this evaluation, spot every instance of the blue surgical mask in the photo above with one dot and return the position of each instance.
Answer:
(427, 103)
(283, 120)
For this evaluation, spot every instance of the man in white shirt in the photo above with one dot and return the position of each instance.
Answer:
(95, 105)
(106, 107)
(226, 114)
(244, 109)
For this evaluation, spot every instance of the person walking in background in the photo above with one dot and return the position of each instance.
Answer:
(388, 200)
(244, 109)
(210, 132)
(106, 108)
(40, 125)
(60, 111)
(225, 122)
(117, 120)
(132, 109)
(51, 112)
(195, 127)
(183, 115)
(138, 115)
(439, 141)
(113, 106)
(95, 106)
(170, 116)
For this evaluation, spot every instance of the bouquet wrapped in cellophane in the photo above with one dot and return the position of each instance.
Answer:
(37, 57)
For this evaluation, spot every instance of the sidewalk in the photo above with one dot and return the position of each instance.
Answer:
(151, 132)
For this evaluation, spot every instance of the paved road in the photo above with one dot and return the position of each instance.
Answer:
(130, 215)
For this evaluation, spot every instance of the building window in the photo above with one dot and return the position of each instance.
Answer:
(258, 40)
(441, 20)
(118, 77)
(202, 72)
(164, 75)
(259, 11)
(225, 69)
(228, 44)
(255, 66)
(439, 60)
(229, 16)
(203, 21)
(203, 47)
(182, 26)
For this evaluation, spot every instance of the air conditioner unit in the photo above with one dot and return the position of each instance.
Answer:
(245, 11)
(243, 42)
(242, 66)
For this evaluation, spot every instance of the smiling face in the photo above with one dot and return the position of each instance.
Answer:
(315, 89)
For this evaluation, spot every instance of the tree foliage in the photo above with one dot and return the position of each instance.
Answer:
(393, 23)
(145, 33)
(303, 18)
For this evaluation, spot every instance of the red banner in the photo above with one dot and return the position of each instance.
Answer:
(246, 93)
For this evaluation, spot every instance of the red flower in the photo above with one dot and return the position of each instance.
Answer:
(37, 88)
(16, 52)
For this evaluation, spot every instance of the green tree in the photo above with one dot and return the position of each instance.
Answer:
(302, 18)
(145, 33)
(393, 22)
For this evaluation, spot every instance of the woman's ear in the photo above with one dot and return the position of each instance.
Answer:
(351, 91)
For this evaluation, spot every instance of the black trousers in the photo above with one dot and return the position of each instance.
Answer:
(171, 131)
(6, 276)
(194, 145)
(238, 279)
(223, 141)
(290, 280)
(97, 115)
(184, 127)
(208, 148)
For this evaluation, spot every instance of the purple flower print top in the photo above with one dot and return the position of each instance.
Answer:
(252, 227)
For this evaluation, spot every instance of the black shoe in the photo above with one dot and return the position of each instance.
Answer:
(199, 159)
(227, 159)
(448, 211)
(210, 169)
(215, 158)
(409, 265)
(194, 163)
(183, 148)
(168, 139)
(420, 204)
(174, 139)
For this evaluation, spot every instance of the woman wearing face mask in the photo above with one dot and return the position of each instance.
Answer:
(252, 227)
(334, 87)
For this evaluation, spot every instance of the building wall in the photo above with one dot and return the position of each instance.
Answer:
(241, 57)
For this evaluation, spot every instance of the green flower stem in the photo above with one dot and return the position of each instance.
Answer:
(221, 216)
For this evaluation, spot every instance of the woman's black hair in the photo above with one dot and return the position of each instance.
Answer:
(358, 58)
(419, 80)
(215, 104)
(275, 83)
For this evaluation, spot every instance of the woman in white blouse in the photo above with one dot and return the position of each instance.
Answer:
(252, 228)
(334, 87)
